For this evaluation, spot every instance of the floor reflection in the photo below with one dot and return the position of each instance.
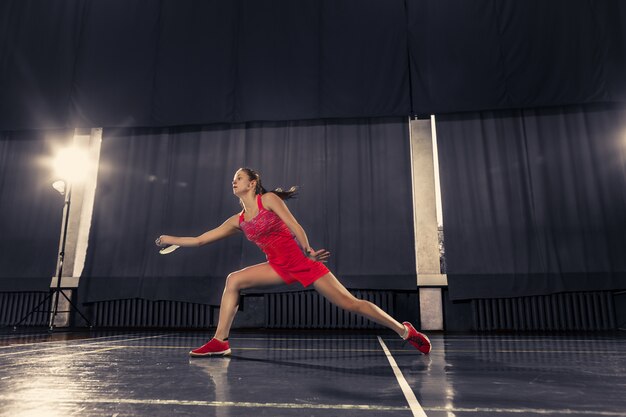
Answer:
(214, 372)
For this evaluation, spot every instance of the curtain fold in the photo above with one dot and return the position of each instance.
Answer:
(534, 201)
(354, 200)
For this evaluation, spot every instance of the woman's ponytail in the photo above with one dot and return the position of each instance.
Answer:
(284, 195)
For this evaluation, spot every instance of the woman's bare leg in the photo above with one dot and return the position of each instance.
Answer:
(252, 276)
(336, 293)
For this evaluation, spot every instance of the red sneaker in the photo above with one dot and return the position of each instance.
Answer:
(417, 339)
(212, 348)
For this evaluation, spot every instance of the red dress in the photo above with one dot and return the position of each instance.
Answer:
(283, 254)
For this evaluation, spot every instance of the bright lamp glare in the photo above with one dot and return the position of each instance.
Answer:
(71, 164)
(59, 186)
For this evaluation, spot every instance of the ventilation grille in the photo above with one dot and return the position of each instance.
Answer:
(566, 311)
(309, 310)
(146, 313)
(15, 305)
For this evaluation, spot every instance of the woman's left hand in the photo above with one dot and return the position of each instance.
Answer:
(321, 255)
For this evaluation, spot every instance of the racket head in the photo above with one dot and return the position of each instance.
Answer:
(168, 249)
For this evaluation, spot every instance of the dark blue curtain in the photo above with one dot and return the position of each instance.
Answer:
(30, 223)
(86, 63)
(534, 201)
(355, 200)
(499, 54)
(135, 63)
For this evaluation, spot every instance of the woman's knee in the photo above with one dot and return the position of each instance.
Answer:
(352, 304)
(233, 281)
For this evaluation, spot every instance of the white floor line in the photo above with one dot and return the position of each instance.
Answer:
(526, 411)
(132, 401)
(67, 345)
(46, 402)
(303, 338)
(85, 339)
(414, 405)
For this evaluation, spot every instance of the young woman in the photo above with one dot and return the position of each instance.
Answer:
(266, 221)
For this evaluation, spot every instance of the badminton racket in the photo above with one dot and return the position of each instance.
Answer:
(168, 249)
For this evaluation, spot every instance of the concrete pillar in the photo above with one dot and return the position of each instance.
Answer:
(79, 222)
(429, 277)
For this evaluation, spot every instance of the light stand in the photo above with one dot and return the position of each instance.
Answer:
(58, 289)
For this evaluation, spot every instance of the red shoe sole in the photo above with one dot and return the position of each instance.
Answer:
(222, 353)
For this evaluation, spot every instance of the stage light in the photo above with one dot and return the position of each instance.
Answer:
(59, 186)
(71, 164)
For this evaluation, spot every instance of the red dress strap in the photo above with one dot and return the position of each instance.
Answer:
(241, 218)
(258, 202)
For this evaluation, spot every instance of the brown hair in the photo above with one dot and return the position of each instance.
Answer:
(253, 175)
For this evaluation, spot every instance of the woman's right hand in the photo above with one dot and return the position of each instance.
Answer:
(321, 255)
(159, 242)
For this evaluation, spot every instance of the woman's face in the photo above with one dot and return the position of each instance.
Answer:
(242, 183)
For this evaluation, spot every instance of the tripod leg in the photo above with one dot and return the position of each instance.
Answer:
(76, 308)
(55, 308)
(33, 311)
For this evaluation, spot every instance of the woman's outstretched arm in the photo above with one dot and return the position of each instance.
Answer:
(228, 228)
(272, 202)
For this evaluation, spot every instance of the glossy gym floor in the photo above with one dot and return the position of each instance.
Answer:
(311, 374)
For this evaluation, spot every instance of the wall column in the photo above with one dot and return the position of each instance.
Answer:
(429, 276)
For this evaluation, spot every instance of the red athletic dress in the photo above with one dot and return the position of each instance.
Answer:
(274, 238)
